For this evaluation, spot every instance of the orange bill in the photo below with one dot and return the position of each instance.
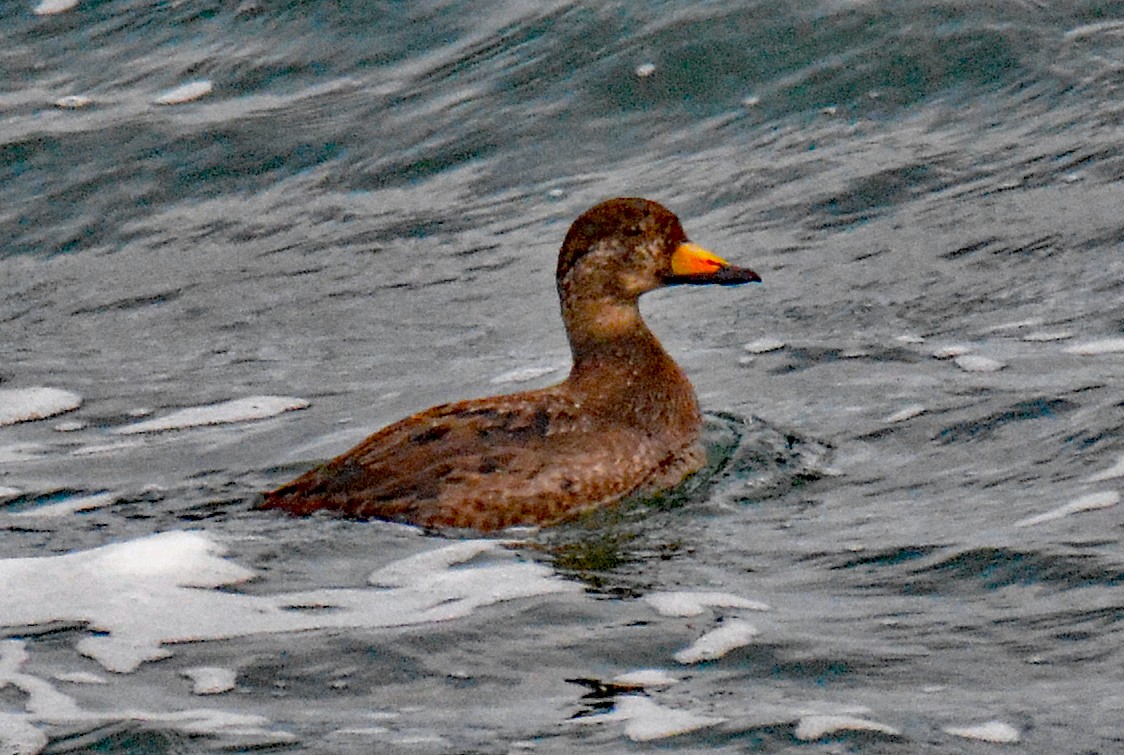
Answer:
(690, 263)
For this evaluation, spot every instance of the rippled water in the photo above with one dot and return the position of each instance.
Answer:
(359, 206)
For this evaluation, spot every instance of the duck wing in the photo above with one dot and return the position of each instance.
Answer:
(530, 458)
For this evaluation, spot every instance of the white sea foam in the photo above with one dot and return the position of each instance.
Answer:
(363, 732)
(1116, 470)
(718, 642)
(70, 426)
(950, 352)
(70, 505)
(687, 603)
(50, 7)
(976, 363)
(236, 410)
(764, 345)
(523, 374)
(1091, 502)
(73, 102)
(995, 732)
(188, 92)
(907, 412)
(210, 680)
(647, 677)
(43, 704)
(813, 727)
(7, 492)
(81, 677)
(1113, 27)
(26, 404)
(1096, 348)
(645, 721)
(143, 594)
(18, 736)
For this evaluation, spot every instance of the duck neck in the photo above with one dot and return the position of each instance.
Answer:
(621, 370)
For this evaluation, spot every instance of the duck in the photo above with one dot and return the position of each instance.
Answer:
(624, 422)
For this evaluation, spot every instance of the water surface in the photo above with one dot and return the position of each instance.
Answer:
(358, 207)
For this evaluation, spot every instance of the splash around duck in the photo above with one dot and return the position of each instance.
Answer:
(624, 422)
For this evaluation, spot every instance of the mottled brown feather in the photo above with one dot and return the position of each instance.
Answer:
(624, 421)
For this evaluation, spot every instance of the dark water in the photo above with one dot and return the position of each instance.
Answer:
(364, 213)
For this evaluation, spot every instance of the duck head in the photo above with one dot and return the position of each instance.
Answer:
(625, 247)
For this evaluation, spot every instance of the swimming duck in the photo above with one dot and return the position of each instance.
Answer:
(625, 421)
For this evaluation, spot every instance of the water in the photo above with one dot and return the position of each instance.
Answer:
(363, 212)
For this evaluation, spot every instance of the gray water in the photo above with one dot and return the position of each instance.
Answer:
(364, 212)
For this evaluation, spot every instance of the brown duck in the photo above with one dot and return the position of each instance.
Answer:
(624, 421)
